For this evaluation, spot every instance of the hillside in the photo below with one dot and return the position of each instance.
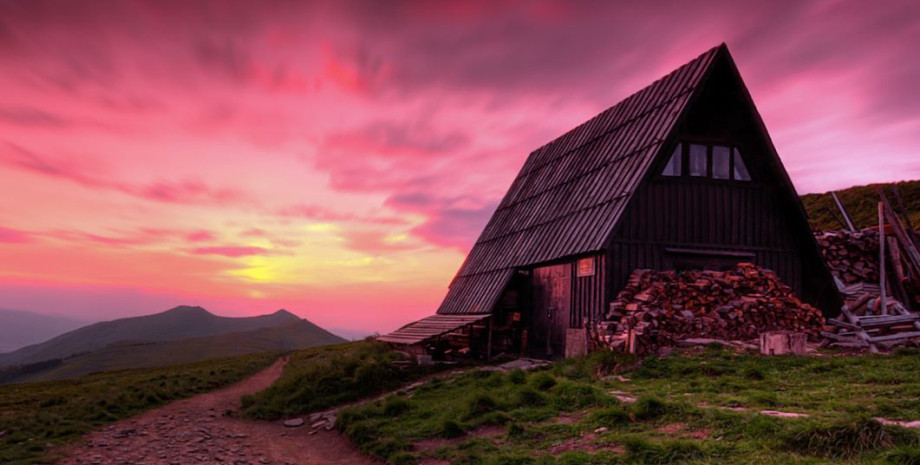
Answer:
(294, 335)
(19, 328)
(862, 204)
(59, 412)
(177, 323)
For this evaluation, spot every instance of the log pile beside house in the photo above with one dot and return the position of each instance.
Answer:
(851, 256)
(661, 308)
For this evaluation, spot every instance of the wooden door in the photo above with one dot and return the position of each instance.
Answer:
(552, 296)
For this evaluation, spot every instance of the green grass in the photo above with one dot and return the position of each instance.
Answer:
(35, 416)
(684, 413)
(328, 376)
(862, 204)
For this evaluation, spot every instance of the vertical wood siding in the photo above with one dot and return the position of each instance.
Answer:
(705, 215)
(588, 294)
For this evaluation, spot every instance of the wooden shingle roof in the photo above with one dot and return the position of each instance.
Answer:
(571, 192)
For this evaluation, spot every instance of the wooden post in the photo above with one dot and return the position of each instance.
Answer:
(881, 257)
(489, 342)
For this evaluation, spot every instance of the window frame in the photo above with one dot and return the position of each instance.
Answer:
(684, 145)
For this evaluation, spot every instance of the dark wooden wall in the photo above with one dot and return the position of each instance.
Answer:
(703, 215)
(588, 294)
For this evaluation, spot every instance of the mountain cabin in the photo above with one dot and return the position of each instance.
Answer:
(680, 175)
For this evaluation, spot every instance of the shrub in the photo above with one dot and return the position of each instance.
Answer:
(904, 456)
(529, 397)
(752, 373)
(663, 452)
(568, 395)
(515, 430)
(839, 440)
(479, 404)
(517, 377)
(542, 381)
(650, 408)
(360, 433)
(394, 405)
(450, 429)
(610, 416)
(764, 398)
(402, 458)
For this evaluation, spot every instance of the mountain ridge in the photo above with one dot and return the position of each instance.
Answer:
(177, 323)
(127, 354)
(21, 328)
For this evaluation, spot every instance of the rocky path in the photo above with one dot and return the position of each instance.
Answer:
(197, 431)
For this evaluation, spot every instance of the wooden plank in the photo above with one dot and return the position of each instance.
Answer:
(861, 333)
(887, 320)
(843, 211)
(891, 337)
(844, 324)
(842, 338)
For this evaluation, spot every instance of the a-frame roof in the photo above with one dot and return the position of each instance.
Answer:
(571, 192)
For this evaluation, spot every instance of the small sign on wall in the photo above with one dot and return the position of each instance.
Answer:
(585, 267)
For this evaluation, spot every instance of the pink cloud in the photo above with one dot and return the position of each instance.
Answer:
(320, 213)
(14, 236)
(200, 236)
(191, 191)
(373, 242)
(253, 232)
(231, 251)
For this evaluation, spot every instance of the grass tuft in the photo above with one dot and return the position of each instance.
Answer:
(650, 408)
(844, 439)
(451, 429)
(662, 452)
(542, 381)
(610, 417)
(904, 455)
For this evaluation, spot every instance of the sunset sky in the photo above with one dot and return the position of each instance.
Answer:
(338, 159)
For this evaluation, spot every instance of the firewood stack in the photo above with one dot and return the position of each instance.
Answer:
(851, 256)
(659, 308)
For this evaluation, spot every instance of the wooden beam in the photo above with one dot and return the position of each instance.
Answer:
(843, 211)
(881, 258)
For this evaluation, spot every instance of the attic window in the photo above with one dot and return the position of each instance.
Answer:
(719, 162)
(740, 171)
(674, 164)
(697, 160)
(721, 158)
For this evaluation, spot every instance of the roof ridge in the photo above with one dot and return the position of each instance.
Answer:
(712, 50)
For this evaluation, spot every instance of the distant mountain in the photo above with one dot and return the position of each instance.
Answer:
(861, 203)
(178, 323)
(20, 328)
(290, 335)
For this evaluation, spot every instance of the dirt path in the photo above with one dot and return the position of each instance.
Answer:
(196, 431)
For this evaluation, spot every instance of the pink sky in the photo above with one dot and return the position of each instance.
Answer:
(338, 159)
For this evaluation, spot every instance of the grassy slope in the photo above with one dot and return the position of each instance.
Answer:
(674, 421)
(36, 415)
(862, 204)
(324, 377)
(178, 323)
(300, 334)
